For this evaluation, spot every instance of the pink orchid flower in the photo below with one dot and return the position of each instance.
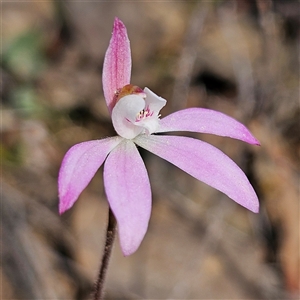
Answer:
(136, 119)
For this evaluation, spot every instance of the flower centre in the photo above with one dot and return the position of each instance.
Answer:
(143, 114)
(136, 111)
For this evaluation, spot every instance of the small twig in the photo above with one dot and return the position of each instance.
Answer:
(110, 235)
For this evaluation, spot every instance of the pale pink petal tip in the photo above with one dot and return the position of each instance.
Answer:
(118, 24)
(256, 142)
(62, 206)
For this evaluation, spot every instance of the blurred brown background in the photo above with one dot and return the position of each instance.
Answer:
(238, 57)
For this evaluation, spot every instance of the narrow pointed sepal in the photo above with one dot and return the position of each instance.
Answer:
(78, 168)
(204, 162)
(128, 192)
(206, 121)
(117, 63)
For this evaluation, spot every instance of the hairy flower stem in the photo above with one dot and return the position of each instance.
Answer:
(110, 235)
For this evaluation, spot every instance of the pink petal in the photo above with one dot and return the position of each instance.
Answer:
(204, 162)
(206, 121)
(129, 195)
(154, 102)
(117, 63)
(78, 168)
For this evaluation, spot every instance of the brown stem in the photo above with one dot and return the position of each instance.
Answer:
(110, 235)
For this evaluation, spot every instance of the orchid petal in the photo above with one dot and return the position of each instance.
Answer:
(154, 102)
(124, 115)
(128, 192)
(78, 168)
(117, 63)
(204, 162)
(148, 125)
(206, 121)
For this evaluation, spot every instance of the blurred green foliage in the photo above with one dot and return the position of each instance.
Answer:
(24, 56)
